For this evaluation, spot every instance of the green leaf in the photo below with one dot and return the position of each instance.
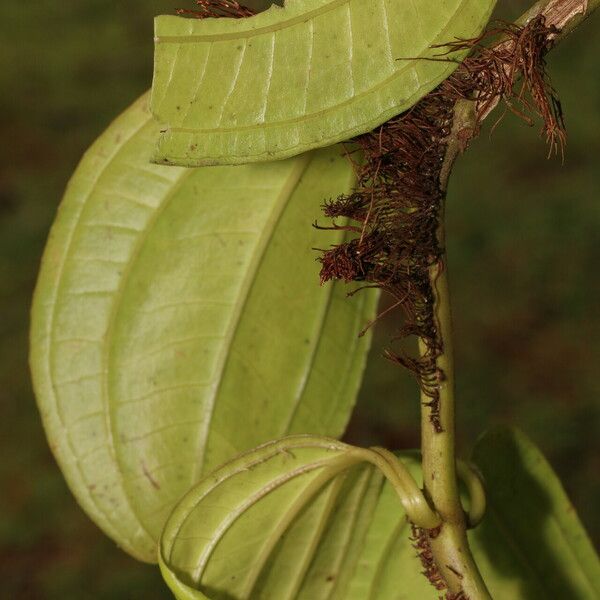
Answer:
(531, 544)
(178, 321)
(303, 518)
(292, 79)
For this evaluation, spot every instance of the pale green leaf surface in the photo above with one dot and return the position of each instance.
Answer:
(298, 518)
(305, 76)
(531, 544)
(178, 321)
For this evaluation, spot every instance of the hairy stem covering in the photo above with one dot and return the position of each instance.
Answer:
(400, 247)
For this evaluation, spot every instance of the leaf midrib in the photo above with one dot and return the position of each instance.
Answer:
(317, 536)
(327, 464)
(107, 346)
(248, 33)
(304, 499)
(376, 580)
(350, 529)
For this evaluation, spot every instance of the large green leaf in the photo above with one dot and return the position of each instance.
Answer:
(300, 518)
(531, 545)
(178, 320)
(305, 76)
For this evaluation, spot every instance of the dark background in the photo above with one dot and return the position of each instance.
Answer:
(523, 250)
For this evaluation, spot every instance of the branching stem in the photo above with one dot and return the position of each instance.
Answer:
(449, 546)
(397, 208)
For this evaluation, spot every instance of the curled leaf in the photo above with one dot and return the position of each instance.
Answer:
(302, 517)
(307, 518)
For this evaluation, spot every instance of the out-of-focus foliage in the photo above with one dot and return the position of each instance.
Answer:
(530, 544)
(523, 253)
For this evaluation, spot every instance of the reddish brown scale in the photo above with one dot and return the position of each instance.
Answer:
(396, 207)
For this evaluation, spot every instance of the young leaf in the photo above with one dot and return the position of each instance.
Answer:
(178, 320)
(305, 76)
(300, 518)
(531, 545)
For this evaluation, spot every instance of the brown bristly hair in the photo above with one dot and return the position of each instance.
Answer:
(216, 9)
(397, 205)
(420, 541)
(513, 71)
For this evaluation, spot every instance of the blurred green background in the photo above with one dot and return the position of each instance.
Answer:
(523, 243)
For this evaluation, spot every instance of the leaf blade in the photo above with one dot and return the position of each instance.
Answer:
(161, 305)
(292, 79)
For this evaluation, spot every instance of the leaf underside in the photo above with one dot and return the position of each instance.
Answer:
(283, 521)
(178, 321)
(292, 79)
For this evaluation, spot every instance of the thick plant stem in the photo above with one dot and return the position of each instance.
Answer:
(449, 546)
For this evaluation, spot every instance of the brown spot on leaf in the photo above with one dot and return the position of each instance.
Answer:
(150, 478)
